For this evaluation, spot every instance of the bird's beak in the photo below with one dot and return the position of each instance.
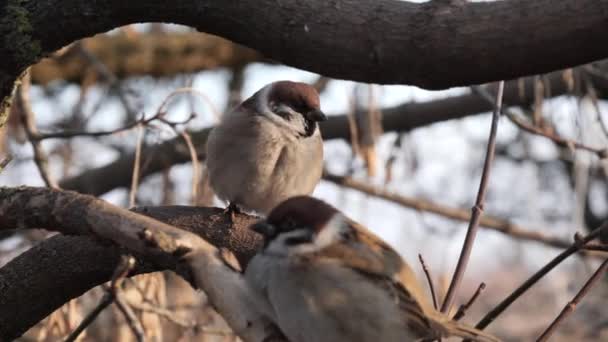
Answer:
(316, 115)
(264, 228)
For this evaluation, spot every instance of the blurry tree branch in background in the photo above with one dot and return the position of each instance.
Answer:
(400, 118)
(433, 39)
(151, 54)
(498, 224)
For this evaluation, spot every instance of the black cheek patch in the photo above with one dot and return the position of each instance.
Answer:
(309, 130)
(297, 240)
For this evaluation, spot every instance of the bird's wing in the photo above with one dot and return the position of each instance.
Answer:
(367, 254)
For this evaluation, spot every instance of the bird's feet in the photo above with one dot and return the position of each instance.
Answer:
(232, 209)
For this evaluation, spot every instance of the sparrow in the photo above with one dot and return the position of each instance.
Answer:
(268, 148)
(323, 277)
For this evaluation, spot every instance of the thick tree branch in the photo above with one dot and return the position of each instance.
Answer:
(160, 244)
(432, 45)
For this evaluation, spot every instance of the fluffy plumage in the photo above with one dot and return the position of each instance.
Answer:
(322, 277)
(269, 148)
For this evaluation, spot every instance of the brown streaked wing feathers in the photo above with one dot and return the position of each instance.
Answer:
(385, 267)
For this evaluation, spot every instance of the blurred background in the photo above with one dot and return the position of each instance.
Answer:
(404, 161)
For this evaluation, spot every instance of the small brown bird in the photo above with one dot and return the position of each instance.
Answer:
(268, 148)
(322, 277)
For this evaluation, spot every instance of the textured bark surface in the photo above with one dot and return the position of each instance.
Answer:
(58, 269)
(432, 45)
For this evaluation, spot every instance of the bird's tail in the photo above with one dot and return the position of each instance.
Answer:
(452, 328)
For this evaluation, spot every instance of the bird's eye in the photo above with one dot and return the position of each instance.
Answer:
(347, 234)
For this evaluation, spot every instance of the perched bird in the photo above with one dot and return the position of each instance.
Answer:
(268, 148)
(322, 277)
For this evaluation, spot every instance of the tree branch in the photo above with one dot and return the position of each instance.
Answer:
(161, 245)
(477, 210)
(371, 41)
(578, 244)
(571, 306)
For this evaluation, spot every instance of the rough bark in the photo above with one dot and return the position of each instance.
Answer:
(401, 118)
(37, 282)
(432, 45)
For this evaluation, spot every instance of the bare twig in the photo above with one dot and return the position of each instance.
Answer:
(498, 224)
(478, 208)
(235, 88)
(574, 247)
(173, 318)
(105, 301)
(162, 312)
(130, 317)
(429, 280)
(105, 72)
(571, 306)
(136, 166)
(122, 270)
(463, 308)
(191, 91)
(27, 118)
(599, 247)
(530, 128)
(320, 84)
(195, 165)
(67, 134)
(5, 161)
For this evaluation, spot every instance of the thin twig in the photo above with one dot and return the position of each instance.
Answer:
(235, 88)
(191, 91)
(195, 165)
(574, 247)
(27, 119)
(170, 316)
(477, 210)
(136, 166)
(463, 308)
(599, 247)
(320, 84)
(570, 307)
(105, 72)
(130, 317)
(162, 312)
(105, 301)
(122, 270)
(66, 134)
(498, 224)
(429, 280)
(5, 161)
(530, 128)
